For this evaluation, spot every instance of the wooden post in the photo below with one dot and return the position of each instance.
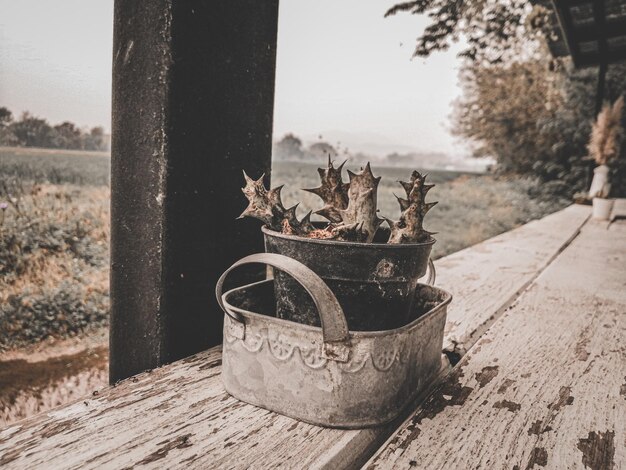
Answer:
(193, 92)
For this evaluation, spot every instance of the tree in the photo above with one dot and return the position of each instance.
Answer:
(534, 119)
(67, 136)
(501, 107)
(6, 117)
(520, 105)
(492, 28)
(321, 150)
(7, 137)
(288, 147)
(32, 131)
(95, 139)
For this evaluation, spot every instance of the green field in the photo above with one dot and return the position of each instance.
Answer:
(55, 166)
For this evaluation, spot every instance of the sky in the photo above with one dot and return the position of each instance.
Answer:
(343, 71)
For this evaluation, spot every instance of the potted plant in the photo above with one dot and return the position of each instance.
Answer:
(604, 147)
(602, 206)
(372, 270)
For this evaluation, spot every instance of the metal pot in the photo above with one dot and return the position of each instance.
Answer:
(602, 208)
(328, 376)
(374, 282)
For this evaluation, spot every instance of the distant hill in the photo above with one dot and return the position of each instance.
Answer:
(355, 149)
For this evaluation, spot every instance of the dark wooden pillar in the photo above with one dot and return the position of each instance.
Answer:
(193, 92)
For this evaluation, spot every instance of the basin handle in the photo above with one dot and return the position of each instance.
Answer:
(334, 325)
(432, 274)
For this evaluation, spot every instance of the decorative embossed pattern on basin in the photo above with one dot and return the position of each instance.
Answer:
(281, 365)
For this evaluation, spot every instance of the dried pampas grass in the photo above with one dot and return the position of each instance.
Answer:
(606, 133)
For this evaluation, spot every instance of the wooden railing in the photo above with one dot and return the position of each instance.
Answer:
(536, 325)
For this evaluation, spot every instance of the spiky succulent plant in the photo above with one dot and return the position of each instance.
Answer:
(333, 191)
(349, 207)
(267, 206)
(409, 229)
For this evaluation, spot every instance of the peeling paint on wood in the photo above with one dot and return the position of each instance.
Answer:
(539, 457)
(565, 409)
(503, 267)
(509, 405)
(486, 375)
(505, 385)
(564, 399)
(598, 450)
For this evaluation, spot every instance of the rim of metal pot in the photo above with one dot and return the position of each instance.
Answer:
(384, 246)
(335, 333)
(355, 334)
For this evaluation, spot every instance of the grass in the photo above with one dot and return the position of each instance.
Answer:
(53, 260)
(53, 166)
(54, 244)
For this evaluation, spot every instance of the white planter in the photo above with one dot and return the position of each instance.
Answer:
(600, 182)
(602, 208)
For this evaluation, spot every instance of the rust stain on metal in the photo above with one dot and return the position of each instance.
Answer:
(486, 375)
(539, 456)
(509, 405)
(598, 450)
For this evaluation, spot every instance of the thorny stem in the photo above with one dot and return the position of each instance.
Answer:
(350, 207)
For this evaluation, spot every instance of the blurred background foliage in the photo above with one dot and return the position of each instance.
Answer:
(523, 107)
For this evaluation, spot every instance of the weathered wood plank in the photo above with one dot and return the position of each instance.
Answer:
(179, 416)
(486, 278)
(619, 209)
(175, 416)
(546, 385)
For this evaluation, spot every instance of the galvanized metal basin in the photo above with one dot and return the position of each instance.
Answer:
(374, 282)
(327, 375)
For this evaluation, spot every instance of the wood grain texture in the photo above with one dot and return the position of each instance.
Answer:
(485, 279)
(179, 416)
(545, 387)
(619, 209)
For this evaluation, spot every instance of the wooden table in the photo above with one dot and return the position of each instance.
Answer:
(535, 321)
(546, 385)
